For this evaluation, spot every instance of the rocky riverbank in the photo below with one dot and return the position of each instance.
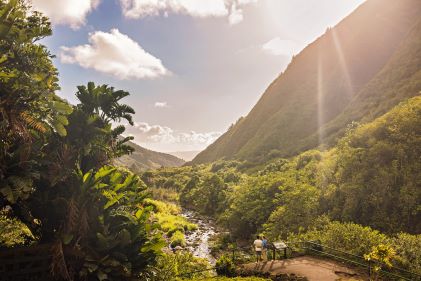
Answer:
(197, 241)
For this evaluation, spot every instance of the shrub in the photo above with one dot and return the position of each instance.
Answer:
(408, 248)
(349, 237)
(225, 267)
(13, 232)
(178, 266)
(178, 239)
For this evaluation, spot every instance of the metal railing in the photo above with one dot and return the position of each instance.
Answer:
(394, 273)
(315, 248)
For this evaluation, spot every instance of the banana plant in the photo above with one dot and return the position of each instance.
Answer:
(107, 220)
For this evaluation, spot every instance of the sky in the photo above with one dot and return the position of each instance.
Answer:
(192, 67)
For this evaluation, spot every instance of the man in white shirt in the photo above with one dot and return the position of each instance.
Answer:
(258, 247)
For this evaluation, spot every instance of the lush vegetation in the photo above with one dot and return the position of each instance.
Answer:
(56, 182)
(370, 180)
(179, 266)
(170, 222)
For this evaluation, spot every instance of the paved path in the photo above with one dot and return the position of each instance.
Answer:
(312, 268)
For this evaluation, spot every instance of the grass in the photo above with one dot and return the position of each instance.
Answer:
(170, 222)
(178, 239)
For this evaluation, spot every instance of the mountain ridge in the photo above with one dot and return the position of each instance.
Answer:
(322, 82)
(143, 159)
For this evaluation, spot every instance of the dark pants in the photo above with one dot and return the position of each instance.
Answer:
(258, 255)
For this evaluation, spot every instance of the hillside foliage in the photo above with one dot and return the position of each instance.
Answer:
(368, 182)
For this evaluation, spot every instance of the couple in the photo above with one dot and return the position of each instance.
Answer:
(260, 246)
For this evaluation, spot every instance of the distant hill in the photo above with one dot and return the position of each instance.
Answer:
(356, 71)
(185, 155)
(143, 159)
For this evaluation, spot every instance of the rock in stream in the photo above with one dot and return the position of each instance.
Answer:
(198, 240)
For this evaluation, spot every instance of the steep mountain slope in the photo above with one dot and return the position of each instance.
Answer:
(143, 159)
(344, 75)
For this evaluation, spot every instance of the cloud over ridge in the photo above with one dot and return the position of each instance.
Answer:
(146, 133)
(116, 54)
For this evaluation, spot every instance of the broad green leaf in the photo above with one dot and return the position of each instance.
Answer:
(62, 107)
(87, 176)
(67, 238)
(103, 172)
(153, 246)
(62, 119)
(8, 193)
(110, 203)
(59, 128)
(101, 185)
(7, 75)
(101, 275)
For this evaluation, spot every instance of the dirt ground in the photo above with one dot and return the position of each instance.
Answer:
(312, 268)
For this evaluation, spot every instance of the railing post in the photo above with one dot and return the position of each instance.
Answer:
(233, 255)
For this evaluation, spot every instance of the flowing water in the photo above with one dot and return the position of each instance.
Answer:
(198, 240)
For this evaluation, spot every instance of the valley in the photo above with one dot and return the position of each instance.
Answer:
(322, 176)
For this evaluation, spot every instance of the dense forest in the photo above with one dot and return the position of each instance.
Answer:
(366, 185)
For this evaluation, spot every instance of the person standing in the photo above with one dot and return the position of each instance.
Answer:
(264, 249)
(258, 247)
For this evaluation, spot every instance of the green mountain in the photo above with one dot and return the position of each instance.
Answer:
(356, 71)
(143, 159)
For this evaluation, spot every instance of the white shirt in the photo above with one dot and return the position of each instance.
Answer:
(258, 245)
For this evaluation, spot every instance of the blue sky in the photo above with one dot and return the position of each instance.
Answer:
(193, 67)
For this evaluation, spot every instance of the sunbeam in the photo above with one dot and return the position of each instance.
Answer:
(343, 63)
(320, 120)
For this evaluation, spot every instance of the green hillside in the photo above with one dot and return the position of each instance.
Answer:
(143, 159)
(355, 71)
(362, 192)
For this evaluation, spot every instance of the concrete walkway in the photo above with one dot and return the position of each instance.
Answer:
(312, 268)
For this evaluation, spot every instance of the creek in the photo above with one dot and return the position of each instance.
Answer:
(197, 241)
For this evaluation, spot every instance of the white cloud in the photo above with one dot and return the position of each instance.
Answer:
(236, 15)
(194, 8)
(245, 2)
(161, 104)
(67, 12)
(278, 47)
(145, 133)
(116, 54)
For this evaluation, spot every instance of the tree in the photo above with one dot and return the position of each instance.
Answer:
(54, 158)
(29, 108)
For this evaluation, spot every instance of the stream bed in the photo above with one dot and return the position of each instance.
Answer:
(198, 240)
